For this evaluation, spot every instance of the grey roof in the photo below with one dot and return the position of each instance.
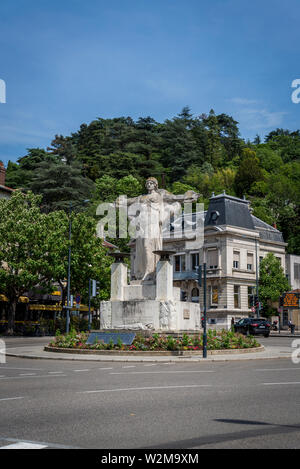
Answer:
(227, 210)
(267, 232)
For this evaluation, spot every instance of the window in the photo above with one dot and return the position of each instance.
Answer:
(236, 259)
(296, 271)
(195, 260)
(183, 295)
(212, 259)
(195, 295)
(179, 264)
(249, 261)
(236, 296)
(251, 293)
(214, 295)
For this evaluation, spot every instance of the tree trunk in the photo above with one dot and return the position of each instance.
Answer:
(11, 316)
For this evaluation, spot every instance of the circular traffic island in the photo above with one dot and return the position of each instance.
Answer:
(218, 342)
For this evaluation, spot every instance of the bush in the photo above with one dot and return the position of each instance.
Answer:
(216, 340)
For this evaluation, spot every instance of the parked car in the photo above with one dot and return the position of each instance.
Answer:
(253, 326)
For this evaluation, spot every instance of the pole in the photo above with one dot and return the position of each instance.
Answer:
(90, 283)
(205, 313)
(257, 289)
(69, 271)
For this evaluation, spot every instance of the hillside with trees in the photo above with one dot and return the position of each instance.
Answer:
(206, 153)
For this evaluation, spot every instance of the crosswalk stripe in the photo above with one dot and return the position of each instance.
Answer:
(23, 445)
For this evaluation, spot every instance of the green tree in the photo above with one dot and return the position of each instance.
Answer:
(272, 280)
(59, 184)
(24, 244)
(248, 173)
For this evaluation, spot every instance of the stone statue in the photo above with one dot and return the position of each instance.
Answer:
(147, 214)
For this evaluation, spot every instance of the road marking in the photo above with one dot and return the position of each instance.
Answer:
(148, 388)
(55, 372)
(27, 374)
(275, 384)
(78, 371)
(129, 366)
(159, 372)
(279, 369)
(106, 368)
(153, 364)
(23, 445)
(23, 369)
(11, 398)
(24, 377)
(10, 441)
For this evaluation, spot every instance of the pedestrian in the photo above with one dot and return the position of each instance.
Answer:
(291, 326)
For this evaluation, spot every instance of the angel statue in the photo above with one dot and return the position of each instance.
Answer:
(148, 214)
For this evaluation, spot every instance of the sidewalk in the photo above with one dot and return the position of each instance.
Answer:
(284, 334)
(37, 352)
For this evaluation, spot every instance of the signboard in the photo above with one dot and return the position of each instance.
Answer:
(78, 300)
(126, 337)
(291, 300)
(186, 314)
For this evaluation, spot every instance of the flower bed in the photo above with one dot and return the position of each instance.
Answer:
(216, 340)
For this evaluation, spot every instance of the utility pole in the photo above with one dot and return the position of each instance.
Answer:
(204, 306)
(257, 287)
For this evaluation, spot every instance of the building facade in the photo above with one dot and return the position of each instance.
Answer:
(234, 243)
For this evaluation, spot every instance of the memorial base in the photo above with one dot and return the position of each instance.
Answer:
(152, 315)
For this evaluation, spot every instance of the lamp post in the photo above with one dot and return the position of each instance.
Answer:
(204, 306)
(257, 288)
(68, 307)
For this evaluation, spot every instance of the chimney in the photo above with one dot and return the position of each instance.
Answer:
(274, 225)
(2, 174)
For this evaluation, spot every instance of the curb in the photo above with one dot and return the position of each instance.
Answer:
(180, 353)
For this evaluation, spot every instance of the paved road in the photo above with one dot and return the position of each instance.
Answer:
(249, 404)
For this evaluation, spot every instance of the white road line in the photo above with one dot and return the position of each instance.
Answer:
(152, 364)
(159, 372)
(129, 366)
(55, 372)
(275, 384)
(78, 371)
(150, 388)
(279, 369)
(23, 369)
(23, 445)
(11, 398)
(106, 368)
(27, 374)
(24, 377)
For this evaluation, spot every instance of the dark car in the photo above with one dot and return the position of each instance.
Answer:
(253, 326)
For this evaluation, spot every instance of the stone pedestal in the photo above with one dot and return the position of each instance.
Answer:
(164, 281)
(118, 281)
(145, 306)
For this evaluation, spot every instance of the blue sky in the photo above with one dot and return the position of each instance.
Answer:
(70, 61)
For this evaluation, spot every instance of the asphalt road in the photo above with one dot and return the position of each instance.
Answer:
(248, 404)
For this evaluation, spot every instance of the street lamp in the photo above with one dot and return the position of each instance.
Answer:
(69, 263)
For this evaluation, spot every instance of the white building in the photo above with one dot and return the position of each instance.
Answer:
(293, 271)
(234, 243)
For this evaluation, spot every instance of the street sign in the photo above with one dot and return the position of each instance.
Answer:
(78, 300)
(291, 300)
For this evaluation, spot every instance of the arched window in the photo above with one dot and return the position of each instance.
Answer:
(195, 295)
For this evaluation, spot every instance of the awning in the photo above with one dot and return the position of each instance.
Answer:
(22, 299)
